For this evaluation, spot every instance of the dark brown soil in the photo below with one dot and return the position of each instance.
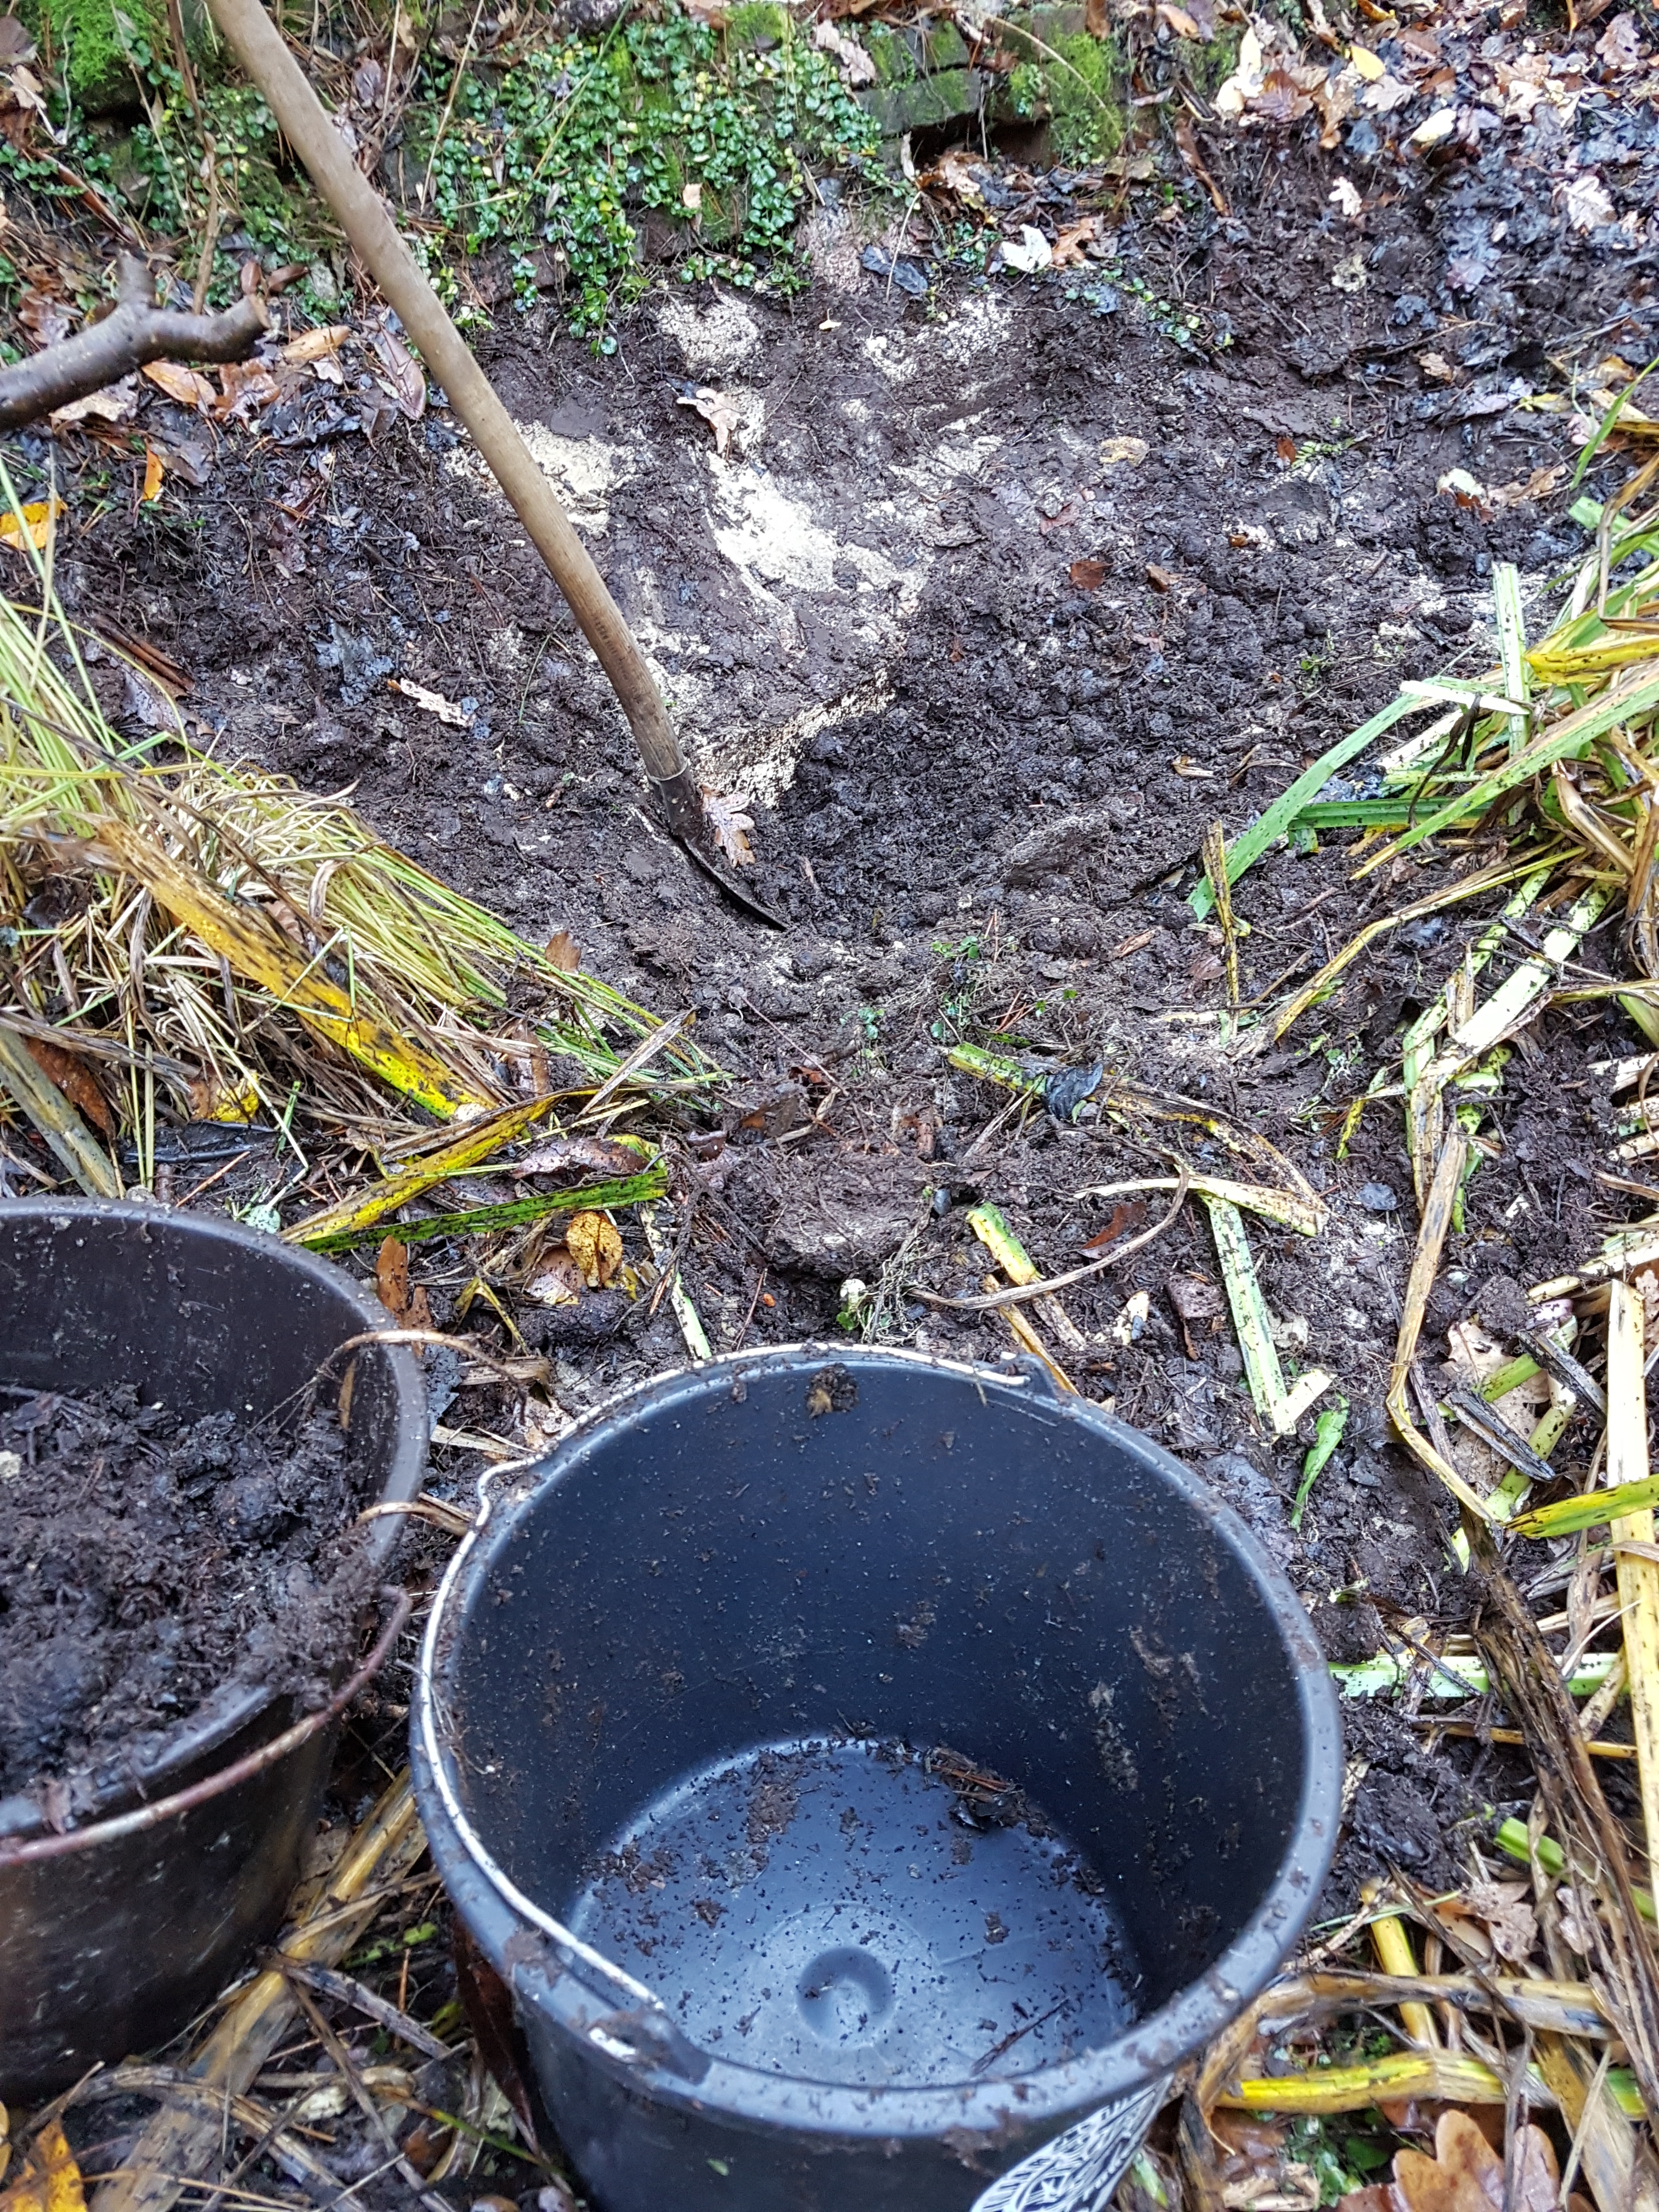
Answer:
(982, 786)
(146, 1560)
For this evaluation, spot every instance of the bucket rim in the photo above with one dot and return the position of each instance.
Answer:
(633, 2035)
(227, 1712)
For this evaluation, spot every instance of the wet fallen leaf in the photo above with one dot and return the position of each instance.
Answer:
(1128, 1214)
(558, 1282)
(115, 403)
(76, 1079)
(1072, 244)
(430, 702)
(154, 473)
(313, 345)
(1465, 2174)
(186, 386)
(959, 175)
(1087, 576)
(596, 1246)
(1503, 1910)
(562, 1154)
(404, 377)
(1618, 45)
(716, 409)
(47, 316)
(245, 385)
(562, 951)
(1161, 580)
(36, 523)
(856, 65)
(1584, 199)
(1127, 451)
(406, 1302)
(49, 2179)
(729, 825)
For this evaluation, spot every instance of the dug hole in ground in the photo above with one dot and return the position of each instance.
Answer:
(978, 616)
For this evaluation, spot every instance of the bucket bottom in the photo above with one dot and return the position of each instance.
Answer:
(852, 1912)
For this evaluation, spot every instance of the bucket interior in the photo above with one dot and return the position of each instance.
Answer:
(897, 1726)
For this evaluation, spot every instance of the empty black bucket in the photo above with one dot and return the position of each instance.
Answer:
(872, 1776)
(112, 1946)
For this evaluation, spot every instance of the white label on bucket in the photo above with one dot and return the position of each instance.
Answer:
(1078, 2171)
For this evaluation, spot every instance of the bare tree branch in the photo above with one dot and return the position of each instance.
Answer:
(135, 332)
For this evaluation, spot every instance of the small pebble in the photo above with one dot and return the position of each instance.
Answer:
(1377, 1198)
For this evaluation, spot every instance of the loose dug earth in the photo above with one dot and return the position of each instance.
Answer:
(145, 1560)
(990, 612)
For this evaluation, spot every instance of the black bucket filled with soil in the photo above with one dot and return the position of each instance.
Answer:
(185, 1454)
(872, 1776)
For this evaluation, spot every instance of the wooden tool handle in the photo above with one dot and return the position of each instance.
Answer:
(263, 53)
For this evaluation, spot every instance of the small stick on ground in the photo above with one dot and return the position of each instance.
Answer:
(137, 332)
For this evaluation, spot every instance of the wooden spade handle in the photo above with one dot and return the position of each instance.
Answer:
(260, 48)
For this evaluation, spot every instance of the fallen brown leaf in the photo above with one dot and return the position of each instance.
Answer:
(1465, 2174)
(1128, 1214)
(186, 386)
(561, 949)
(407, 1303)
(50, 2180)
(596, 1246)
(1072, 244)
(1161, 580)
(729, 825)
(1087, 576)
(716, 409)
(559, 1155)
(75, 1079)
(560, 1280)
(1503, 1911)
(404, 377)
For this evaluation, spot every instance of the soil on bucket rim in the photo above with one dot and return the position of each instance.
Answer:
(146, 1560)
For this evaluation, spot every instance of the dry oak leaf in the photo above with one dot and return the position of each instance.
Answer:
(729, 824)
(1465, 2174)
(1503, 1910)
(716, 409)
(595, 1246)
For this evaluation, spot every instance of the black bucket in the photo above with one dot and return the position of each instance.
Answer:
(118, 1934)
(872, 1777)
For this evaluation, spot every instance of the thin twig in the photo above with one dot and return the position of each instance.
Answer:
(1022, 1293)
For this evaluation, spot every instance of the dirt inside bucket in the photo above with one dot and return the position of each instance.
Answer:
(147, 1558)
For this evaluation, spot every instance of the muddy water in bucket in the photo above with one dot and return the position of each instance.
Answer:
(871, 1776)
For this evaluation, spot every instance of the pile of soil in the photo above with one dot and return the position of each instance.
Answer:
(146, 1560)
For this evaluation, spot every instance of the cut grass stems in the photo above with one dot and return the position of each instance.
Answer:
(208, 941)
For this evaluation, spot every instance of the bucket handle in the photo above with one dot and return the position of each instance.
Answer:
(639, 2030)
(214, 1785)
